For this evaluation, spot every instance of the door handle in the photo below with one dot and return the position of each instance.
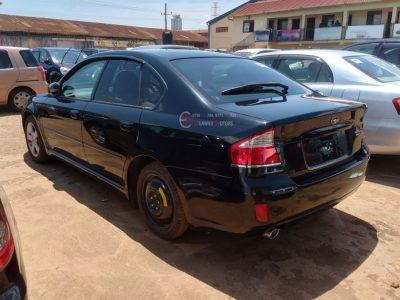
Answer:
(126, 126)
(75, 114)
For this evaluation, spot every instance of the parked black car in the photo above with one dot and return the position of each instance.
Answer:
(12, 271)
(57, 61)
(201, 138)
(387, 49)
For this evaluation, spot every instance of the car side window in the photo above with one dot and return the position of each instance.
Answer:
(265, 60)
(44, 56)
(5, 62)
(36, 54)
(120, 83)
(391, 53)
(151, 88)
(305, 70)
(364, 48)
(82, 82)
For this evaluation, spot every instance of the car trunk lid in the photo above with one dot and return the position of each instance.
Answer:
(310, 133)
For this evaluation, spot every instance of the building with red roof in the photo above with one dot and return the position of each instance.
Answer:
(291, 24)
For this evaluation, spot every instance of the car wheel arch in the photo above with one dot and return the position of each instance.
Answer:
(22, 87)
(133, 169)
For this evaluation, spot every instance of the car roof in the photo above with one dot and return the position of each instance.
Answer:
(389, 40)
(165, 54)
(13, 48)
(164, 47)
(55, 48)
(315, 52)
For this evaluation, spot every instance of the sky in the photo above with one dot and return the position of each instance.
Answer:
(194, 13)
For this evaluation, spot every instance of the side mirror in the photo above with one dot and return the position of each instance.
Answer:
(47, 61)
(54, 89)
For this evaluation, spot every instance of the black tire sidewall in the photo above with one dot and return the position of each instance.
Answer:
(178, 224)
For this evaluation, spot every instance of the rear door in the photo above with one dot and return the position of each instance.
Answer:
(8, 75)
(61, 117)
(111, 120)
(309, 70)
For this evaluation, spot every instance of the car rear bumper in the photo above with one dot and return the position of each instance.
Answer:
(286, 199)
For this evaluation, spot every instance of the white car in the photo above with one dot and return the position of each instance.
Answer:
(254, 51)
(353, 76)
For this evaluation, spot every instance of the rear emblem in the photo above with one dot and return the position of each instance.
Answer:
(334, 120)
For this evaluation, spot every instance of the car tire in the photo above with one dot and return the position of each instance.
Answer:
(18, 99)
(34, 142)
(160, 203)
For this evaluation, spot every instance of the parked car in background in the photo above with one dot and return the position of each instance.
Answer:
(56, 61)
(86, 52)
(387, 49)
(21, 77)
(354, 76)
(201, 138)
(12, 274)
(254, 51)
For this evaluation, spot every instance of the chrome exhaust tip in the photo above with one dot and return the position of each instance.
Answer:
(271, 234)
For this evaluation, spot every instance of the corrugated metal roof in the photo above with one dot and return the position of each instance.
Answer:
(9, 23)
(283, 5)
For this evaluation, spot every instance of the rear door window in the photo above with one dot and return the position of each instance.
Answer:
(28, 58)
(391, 53)
(305, 69)
(152, 89)
(120, 83)
(5, 62)
(364, 48)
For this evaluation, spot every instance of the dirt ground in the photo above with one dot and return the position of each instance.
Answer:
(83, 240)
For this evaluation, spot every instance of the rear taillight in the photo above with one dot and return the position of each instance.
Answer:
(42, 72)
(396, 103)
(6, 241)
(262, 212)
(256, 151)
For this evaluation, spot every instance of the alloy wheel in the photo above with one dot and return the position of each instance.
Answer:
(32, 139)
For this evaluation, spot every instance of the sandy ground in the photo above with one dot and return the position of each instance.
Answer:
(83, 240)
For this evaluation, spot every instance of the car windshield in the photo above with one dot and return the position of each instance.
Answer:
(213, 76)
(375, 67)
(65, 56)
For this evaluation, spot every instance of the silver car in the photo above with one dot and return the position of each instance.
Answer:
(353, 76)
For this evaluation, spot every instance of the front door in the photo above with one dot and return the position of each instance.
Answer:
(61, 117)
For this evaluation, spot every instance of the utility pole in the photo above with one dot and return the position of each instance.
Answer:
(215, 9)
(165, 14)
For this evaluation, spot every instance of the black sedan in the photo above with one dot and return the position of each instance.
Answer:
(12, 272)
(200, 138)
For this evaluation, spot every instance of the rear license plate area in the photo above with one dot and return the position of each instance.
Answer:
(321, 151)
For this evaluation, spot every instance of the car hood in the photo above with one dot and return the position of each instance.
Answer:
(294, 108)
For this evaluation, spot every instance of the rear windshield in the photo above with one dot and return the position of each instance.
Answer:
(28, 58)
(212, 76)
(375, 67)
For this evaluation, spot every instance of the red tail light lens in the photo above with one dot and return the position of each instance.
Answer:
(43, 73)
(396, 103)
(262, 212)
(6, 241)
(257, 150)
